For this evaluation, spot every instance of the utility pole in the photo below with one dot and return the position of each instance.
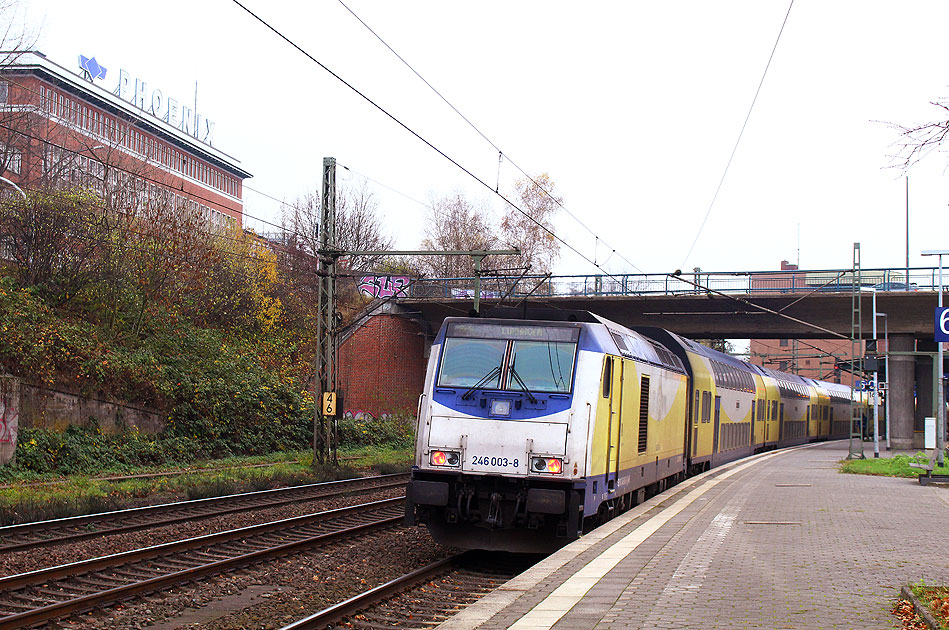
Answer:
(856, 357)
(324, 424)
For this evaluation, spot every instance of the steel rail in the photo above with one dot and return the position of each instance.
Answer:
(347, 608)
(86, 602)
(81, 527)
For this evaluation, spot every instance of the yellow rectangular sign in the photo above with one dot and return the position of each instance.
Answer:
(329, 403)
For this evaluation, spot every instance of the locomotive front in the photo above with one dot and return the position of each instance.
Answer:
(494, 463)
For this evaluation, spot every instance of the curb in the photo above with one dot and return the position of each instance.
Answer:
(907, 593)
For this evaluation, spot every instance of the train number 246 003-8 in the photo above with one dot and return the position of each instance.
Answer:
(497, 462)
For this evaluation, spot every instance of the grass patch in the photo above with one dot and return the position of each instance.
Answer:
(936, 599)
(383, 460)
(896, 466)
(40, 497)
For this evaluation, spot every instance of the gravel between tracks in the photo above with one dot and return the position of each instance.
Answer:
(32, 559)
(284, 590)
(302, 584)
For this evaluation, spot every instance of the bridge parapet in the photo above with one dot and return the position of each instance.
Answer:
(737, 283)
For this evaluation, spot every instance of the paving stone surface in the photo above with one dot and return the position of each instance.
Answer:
(782, 541)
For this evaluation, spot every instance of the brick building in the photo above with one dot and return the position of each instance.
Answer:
(126, 141)
(812, 358)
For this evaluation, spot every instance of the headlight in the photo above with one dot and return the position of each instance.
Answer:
(445, 458)
(500, 407)
(550, 465)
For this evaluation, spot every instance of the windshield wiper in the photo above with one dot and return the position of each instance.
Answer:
(520, 381)
(484, 379)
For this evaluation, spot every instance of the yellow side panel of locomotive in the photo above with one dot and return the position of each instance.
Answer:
(616, 431)
(601, 425)
(666, 413)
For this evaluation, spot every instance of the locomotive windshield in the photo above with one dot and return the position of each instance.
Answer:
(515, 357)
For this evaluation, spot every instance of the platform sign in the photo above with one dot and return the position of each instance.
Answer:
(942, 324)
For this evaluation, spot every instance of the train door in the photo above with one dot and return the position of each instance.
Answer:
(695, 425)
(781, 420)
(718, 420)
(753, 419)
(615, 425)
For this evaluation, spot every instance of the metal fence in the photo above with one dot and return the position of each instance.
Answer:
(744, 283)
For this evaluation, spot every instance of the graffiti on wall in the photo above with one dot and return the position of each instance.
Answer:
(384, 286)
(365, 416)
(9, 422)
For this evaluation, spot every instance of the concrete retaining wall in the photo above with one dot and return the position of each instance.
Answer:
(42, 407)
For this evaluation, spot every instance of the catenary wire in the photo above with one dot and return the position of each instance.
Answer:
(419, 137)
(740, 134)
(501, 153)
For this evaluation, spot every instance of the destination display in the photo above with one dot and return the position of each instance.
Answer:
(517, 332)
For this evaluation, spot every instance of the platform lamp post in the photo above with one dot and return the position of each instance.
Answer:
(876, 381)
(886, 370)
(940, 386)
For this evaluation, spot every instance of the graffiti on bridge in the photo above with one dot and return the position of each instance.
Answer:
(384, 286)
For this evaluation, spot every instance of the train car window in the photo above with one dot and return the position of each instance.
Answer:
(643, 413)
(753, 411)
(718, 409)
(607, 376)
(542, 366)
(706, 407)
(774, 409)
(695, 409)
(468, 362)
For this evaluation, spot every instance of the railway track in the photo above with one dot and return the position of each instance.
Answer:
(53, 532)
(31, 598)
(422, 598)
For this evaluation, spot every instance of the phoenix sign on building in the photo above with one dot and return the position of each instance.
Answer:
(129, 141)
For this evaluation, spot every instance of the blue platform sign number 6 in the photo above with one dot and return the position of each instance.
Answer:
(942, 324)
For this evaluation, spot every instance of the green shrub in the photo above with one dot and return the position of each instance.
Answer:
(394, 430)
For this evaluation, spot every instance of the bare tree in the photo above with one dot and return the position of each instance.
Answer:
(454, 224)
(53, 241)
(918, 141)
(528, 227)
(15, 36)
(358, 226)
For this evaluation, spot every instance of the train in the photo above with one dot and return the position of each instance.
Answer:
(532, 432)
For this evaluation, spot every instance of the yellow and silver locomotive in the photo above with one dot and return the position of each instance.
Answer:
(532, 431)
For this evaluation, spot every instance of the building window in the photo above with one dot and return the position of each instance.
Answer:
(14, 159)
(783, 343)
(4, 92)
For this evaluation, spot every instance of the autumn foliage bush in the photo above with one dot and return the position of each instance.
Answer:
(153, 308)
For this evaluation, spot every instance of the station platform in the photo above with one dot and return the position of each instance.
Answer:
(778, 540)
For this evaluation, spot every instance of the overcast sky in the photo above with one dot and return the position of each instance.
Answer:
(633, 108)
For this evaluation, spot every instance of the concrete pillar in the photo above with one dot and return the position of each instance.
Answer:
(9, 417)
(902, 401)
(924, 394)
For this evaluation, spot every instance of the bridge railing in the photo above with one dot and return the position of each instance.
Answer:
(746, 283)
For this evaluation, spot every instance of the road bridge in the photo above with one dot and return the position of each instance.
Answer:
(796, 304)
(763, 305)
